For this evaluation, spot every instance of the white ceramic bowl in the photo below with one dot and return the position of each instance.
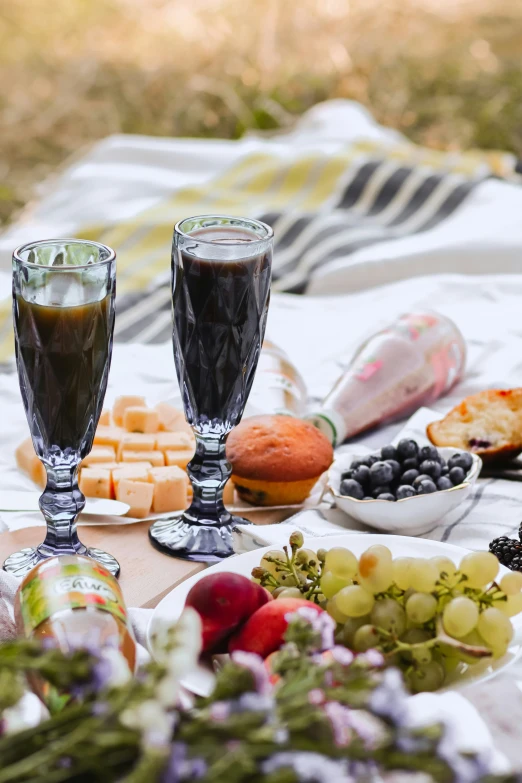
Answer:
(410, 516)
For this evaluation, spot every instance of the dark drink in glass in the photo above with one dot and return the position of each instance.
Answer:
(63, 312)
(221, 271)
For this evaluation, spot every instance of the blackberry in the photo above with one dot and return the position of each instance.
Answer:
(508, 552)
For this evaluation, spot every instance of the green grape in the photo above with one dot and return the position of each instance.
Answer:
(286, 580)
(278, 590)
(460, 617)
(416, 636)
(375, 570)
(354, 601)
(511, 584)
(307, 557)
(277, 554)
(424, 575)
(290, 592)
(480, 568)
(341, 562)
(333, 610)
(402, 572)
(351, 625)
(389, 615)
(495, 628)
(421, 655)
(426, 677)
(450, 660)
(512, 606)
(366, 637)
(498, 651)
(380, 551)
(421, 607)
(331, 584)
(444, 565)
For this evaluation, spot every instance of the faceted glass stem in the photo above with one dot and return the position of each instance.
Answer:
(209, 471)
(61, 503)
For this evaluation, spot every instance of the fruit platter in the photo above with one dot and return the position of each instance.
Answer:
(445, 616)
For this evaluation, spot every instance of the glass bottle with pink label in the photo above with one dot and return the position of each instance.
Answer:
(411, 363)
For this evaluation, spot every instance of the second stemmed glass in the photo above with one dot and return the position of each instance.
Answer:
(63, 311)
(221, 271)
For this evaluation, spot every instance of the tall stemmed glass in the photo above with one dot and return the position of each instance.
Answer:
(63, 312)
(221, 269)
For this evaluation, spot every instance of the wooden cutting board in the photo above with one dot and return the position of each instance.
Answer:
(146, 574)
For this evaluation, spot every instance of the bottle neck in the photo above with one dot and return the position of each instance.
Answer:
(330, 423)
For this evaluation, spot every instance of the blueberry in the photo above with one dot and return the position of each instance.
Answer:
(395, 466)
(368, 497)
(429, 452)
(407, 448)
(381, 473)
(373, 458)
(426, 487)
(352, 489)
(457, 476)
(444, 470)
(362, 474)
(347, 474)
(386, 496)
(358, 462)
(444, 483)
(431, 468)
(409, 476)
(405, 492)
(463, 460)
(384, 490)
(388, 452)
(412, 463)
(421, 477)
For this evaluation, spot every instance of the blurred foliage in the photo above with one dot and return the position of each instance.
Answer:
(445, 72)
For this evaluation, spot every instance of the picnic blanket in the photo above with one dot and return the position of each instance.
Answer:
(353, 205)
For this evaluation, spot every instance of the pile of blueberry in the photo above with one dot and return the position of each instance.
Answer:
(402, 471)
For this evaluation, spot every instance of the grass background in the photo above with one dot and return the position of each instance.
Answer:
(447, 73)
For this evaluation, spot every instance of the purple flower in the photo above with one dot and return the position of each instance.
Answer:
(339, 717)
(220, 711)
(389, 698)
(316, 696)
(321, 622)
(254, 663)
(367, 727)
(180, 768)
(342, 655)
(373, 658)
(309, 767)
(64, 762)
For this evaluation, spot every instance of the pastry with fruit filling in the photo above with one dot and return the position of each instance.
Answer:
(488, 423)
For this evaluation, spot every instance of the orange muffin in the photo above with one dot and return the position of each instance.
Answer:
(276, 460)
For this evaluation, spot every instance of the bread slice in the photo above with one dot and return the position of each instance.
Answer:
(488, 423)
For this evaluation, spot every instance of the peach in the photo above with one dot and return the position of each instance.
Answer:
(224, 601)
(263, 633)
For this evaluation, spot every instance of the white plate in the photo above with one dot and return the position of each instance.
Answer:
(15, 500)
(170, 607)
(409, 516)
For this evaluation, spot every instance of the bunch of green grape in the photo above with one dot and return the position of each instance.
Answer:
(426, 616)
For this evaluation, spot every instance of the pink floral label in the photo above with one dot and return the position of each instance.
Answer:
(415, 325)
(368, 369)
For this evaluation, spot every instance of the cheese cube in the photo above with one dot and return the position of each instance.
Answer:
(137, 441)
(109, 436)
(105, 418)
(29, 463)
(99, 454)
(96, 482)
(121, 405)
(139, 419)
(132, 472)
(170, 489)
(139, 462)
(155, 458)
(138, 495)
(228, 493)
(170, 418)
(174, 441)
(179, 458)
(104, 465)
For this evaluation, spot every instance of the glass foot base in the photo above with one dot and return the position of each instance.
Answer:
(20, 563)
(201, 543)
